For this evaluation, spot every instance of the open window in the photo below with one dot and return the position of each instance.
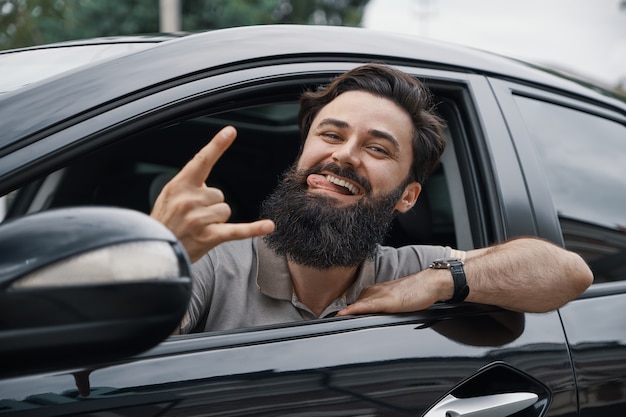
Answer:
(130, 171)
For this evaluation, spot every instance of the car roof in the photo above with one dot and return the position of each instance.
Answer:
(249, 46)
(24, 66)
(104, 40)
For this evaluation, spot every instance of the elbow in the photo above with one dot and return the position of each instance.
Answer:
(581, 275)
(586, 279)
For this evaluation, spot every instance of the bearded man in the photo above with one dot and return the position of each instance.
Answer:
(370, 139)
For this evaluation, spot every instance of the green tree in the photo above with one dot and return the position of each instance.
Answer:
(34, 22)
(206, 14)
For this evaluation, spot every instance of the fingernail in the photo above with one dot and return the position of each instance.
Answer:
(267, 227)
(228, 131)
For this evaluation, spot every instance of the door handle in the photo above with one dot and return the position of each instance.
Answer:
(497, 405)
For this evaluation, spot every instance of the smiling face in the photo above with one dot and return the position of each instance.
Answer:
(336, 204)
(362, 144)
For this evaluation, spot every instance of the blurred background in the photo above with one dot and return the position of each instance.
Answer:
(586, 38)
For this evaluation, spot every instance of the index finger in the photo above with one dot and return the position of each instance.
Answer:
(197, 170)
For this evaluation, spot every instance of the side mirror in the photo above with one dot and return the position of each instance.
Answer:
(85, 285)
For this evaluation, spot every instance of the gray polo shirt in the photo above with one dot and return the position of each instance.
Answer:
(243, 283)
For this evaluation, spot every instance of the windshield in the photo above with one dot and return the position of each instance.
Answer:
(22, 67)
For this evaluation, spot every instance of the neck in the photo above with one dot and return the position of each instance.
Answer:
(317, 288)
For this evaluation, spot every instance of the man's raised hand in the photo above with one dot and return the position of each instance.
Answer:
(197, 214)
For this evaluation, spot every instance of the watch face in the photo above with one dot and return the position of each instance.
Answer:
(445, 263)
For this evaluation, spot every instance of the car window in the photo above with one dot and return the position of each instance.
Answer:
(584, 157)
(131, 172)
(129, 166)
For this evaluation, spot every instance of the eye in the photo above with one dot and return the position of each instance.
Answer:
(378, 150)
(330, 136)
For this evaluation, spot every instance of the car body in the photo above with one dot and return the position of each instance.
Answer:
(529, 153)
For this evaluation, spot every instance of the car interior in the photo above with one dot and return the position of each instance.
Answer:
(131, 172)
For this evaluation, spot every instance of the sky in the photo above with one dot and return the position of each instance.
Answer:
(585, 37)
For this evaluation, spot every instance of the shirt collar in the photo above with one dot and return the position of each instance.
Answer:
(273, 278)
(365, 277)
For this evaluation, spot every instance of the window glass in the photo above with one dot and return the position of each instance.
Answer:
(584, 157)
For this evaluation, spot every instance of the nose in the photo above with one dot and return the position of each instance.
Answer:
(347, 153)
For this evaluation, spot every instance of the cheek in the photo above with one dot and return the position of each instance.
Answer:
(309, 156)
(386, 178)
(303, 160)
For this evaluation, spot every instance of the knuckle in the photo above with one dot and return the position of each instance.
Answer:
(169, 190)
(222, 212)
(227, 210)
(186, 204)
(215, 194)
(200, 158)
(194, 222)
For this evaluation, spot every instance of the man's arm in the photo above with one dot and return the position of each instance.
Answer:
(529, 275)
(525, 274)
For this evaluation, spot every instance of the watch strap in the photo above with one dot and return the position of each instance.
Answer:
(455, 265)
(461, 289)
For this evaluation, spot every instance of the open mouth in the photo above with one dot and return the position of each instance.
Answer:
(351, 188)
(334, 184)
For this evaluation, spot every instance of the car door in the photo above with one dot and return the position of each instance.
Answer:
(573, 154)
(464, 355)
(382, 365)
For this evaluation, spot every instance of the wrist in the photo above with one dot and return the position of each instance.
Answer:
(438, 284)
(456, 289)
(445, 284)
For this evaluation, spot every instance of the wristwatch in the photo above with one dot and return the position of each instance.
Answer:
(455, 265)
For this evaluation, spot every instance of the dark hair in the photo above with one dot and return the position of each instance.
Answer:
(406, 91)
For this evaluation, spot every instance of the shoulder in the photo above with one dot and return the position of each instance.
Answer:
(238, 249)
(232, 255)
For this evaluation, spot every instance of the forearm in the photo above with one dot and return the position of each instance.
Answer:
(526, 275)
(529, 275)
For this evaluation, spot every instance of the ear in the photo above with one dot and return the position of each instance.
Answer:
(409, 197)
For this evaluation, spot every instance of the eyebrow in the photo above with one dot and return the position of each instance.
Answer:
(373, 132)
(333, 122)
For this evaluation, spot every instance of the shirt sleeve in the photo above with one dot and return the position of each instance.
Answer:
(202, 282)
(394, 263)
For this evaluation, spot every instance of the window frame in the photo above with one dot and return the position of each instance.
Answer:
(183, 101)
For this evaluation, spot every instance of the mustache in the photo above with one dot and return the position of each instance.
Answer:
(337, 170)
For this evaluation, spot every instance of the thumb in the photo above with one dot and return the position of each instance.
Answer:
(366, 306)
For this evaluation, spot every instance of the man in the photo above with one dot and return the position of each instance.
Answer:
(370, 140)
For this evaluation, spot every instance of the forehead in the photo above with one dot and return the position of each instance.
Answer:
(363, 111)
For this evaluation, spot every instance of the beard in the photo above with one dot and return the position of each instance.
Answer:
(312, 230)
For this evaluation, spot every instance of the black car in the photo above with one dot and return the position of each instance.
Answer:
(529, 153)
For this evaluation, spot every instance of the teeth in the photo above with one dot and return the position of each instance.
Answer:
(353, 190)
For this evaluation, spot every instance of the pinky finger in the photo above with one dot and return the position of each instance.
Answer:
(225, 232)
